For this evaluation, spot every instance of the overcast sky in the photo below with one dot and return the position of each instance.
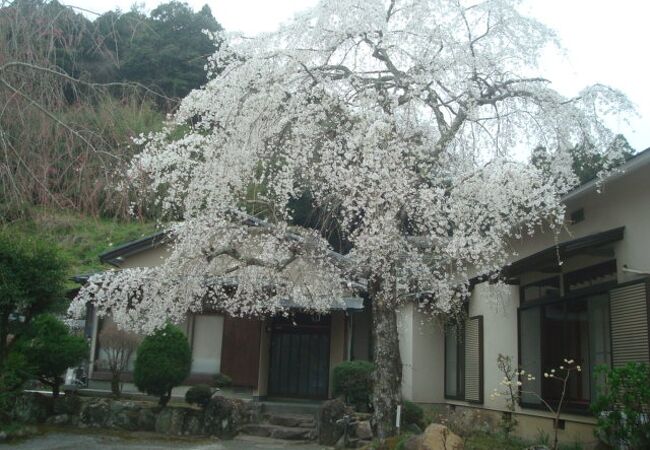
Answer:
(605, 40)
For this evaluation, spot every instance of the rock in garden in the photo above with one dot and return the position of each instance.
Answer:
(329, 432)
(147, 419)
(124, 415)
(193, 423)
(363, 430)
(31, 407)
(223, 417)
(67, 404)
(95, 413)
(171, 421)
(58, 419)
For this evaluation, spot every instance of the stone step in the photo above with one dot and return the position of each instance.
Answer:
(291, 420)
(277, 432)
(291, 408)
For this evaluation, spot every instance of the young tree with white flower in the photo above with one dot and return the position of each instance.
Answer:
(404, 120)
(513, 388)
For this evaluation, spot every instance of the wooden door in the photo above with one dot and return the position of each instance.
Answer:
(240, 354)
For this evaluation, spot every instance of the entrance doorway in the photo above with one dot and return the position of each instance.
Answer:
(300, 351)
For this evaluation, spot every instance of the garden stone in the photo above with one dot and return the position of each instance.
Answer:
(329, 432)
(67, 404)
(146, 419)
(124, 415)
(170, 421)
(435, 437)
(58, 419)
(223, 417)
(95, 413)
(32, 407)
(253, 411)
(363, 430)
(193, 423)
(3, 436)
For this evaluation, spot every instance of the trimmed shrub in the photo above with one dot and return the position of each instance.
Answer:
(199, 395)
(353, 381)
(49, 349)
(163, 361)
(412, 414)
(221, 380)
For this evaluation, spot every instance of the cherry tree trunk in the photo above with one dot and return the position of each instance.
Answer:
(388, 364)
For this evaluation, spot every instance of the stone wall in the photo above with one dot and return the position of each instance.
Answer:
(222, 417)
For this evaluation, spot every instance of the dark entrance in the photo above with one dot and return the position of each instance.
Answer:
(300, 349)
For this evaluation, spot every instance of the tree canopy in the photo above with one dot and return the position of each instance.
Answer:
(49, 349)
(402, 118)
(32, 281)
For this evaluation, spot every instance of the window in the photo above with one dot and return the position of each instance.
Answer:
(454, 362)
(548, 288)
(574, 328)
(464, 361)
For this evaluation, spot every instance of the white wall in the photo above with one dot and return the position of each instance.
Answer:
(422, 351)
(207, 337)
(498, 306)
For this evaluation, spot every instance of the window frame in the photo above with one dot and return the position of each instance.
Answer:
(570, 297)
(460, 364)
(560, 279)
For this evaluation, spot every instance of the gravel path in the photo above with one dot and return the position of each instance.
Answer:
(56, 440)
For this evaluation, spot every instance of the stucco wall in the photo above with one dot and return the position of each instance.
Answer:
(422, 352)
(337, 343)
(623, 202)
(147, 258)
(206, 341)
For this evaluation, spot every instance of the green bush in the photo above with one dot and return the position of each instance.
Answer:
(163, 361)
(13, 375)
(412, 414)
(199, 395)
(623, 405)
(49, 349)
(221, 380)
(353, 381)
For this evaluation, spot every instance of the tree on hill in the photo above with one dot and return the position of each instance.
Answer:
(166, 50)
(32, 281)
(586, 163)
(403, 118)
(74, 93)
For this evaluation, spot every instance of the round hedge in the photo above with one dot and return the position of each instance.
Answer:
(353, 381)
(199, 395)
(163, 361)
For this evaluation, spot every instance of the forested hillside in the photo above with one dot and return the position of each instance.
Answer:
(74, 90)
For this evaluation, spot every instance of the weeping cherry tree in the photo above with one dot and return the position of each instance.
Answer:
(406, 120)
